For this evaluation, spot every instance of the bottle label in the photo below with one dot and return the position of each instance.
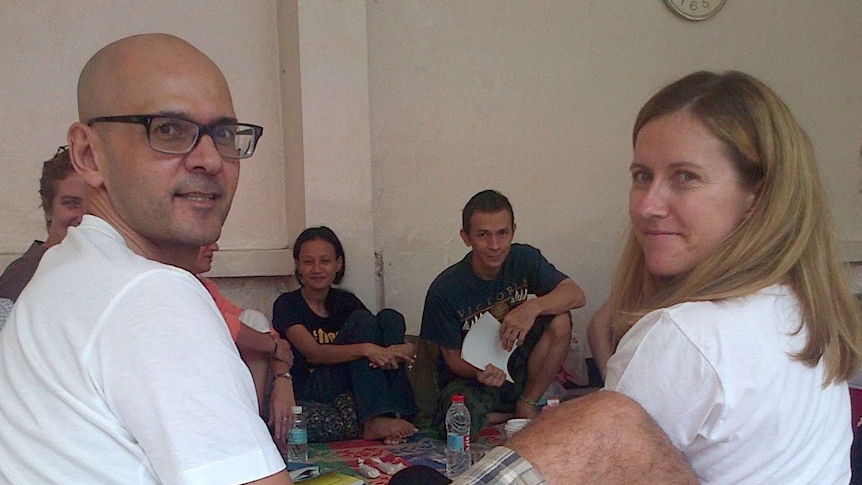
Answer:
(458, 442)
(297, 436)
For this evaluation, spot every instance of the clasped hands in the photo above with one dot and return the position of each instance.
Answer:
(391, 357)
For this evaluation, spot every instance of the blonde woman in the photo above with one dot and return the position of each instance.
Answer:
(735, 325)
(734, 311)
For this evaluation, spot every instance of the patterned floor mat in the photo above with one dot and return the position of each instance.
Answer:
(421, 449)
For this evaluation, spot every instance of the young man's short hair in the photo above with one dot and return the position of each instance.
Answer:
(485, 201)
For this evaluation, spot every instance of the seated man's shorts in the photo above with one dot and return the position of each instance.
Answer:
(501, 466)
(482, 399)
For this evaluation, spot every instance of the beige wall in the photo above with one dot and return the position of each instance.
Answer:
(537, 99)
(383, 117)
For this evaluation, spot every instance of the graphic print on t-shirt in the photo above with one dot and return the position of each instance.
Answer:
(322, 336)
(498, 306)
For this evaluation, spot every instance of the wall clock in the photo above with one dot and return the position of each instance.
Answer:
(694, 9)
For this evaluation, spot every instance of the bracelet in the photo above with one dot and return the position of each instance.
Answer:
(524, 399)
(286, 375)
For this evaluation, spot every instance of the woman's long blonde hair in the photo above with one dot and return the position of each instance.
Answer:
(788, 238)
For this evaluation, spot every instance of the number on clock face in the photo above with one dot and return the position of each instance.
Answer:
(695, 9)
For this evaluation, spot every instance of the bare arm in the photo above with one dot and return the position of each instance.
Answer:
(281, 401)
(518, 322)
(601, 338)
(280, 478)
(315, 353)
(250, 339)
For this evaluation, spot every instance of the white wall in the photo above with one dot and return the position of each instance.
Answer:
(44, 45)
(336, 134)
(383, 117)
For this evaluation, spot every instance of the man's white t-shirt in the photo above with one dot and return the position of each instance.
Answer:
(118, 369)
(719, 379)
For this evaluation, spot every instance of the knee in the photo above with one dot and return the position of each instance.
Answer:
(560, 326)
(359, 317)
(614, 408)
(359, 327)
(601, 413)
(597, 433)
(392, 319)
(611, 414)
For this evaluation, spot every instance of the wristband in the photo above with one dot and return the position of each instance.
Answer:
(524, 399)
(285, 375)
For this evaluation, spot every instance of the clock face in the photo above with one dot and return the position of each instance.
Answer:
(694, 9)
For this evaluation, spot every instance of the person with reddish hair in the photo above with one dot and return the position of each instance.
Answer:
(63, 194)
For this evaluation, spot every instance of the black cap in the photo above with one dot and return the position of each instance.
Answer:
(419, 475)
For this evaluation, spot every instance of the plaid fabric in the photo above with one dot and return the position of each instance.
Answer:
(501, 466)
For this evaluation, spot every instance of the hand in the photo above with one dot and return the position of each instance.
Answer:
(408, 355)
(390, 357)
(283, 352)
(492, 376)
(282, 399)
(516, 325)
(405, 352)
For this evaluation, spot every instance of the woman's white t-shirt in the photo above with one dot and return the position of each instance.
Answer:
(720, 380)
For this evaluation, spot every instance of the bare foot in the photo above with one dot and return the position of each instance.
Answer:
(525, 410)
(391, 430)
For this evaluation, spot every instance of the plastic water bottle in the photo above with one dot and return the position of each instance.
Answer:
(457, 438)
(297, 438)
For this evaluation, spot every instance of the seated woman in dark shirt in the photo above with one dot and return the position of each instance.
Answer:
(341, 349)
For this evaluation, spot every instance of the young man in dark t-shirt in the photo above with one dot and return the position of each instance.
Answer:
(497, 276)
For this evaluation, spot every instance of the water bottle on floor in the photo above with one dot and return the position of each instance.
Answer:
(457, 438)
(297, 438)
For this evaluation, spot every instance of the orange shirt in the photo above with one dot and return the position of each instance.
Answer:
(228, 309)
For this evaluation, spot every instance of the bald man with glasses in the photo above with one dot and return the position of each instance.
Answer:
(129, 375)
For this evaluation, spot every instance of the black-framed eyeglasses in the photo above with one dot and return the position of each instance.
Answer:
(177, 136)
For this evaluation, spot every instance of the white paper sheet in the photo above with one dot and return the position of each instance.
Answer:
(482, 345)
